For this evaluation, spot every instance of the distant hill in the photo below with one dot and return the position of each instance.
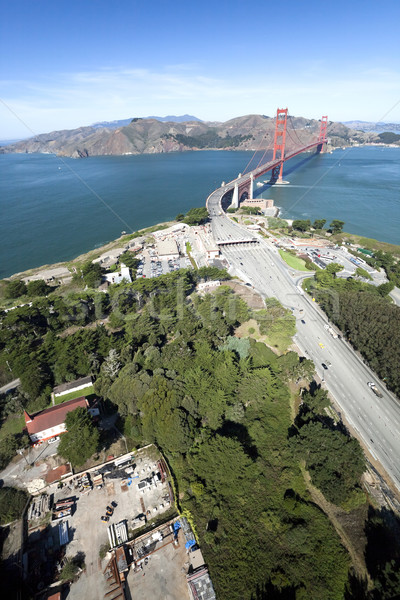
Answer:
(373, 127)
(174, 119)
(8, 142)
(124, 122)
(152, 136)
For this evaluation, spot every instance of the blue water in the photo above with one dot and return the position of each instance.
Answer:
(54, 209)
(360, 186)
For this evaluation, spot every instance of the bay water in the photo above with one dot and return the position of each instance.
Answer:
(53, 209)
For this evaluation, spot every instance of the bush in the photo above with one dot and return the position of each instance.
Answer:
(12, 503)
(15, 289)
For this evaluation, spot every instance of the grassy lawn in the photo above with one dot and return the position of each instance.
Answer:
(368, 243)
(89, 391)
(13, 424)
(278, 338)
(293, 261)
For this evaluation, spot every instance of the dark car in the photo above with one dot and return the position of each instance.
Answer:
(105, 519)
(109, 511)
(324, 366)
(303, 321)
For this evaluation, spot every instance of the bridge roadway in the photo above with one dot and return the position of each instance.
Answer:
(375, 420)
(259, 171)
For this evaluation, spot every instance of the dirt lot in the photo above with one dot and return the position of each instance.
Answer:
(87, 532)
(248, 294)
(164, 575)
(90, 532)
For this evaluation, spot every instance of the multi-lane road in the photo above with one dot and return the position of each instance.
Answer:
(375, 420)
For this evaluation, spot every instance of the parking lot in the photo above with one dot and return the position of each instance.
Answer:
(151, 265)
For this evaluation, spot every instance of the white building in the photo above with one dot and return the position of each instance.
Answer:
(72, 386)
(50, 423)
(118, 276)
(207, 245)
(167, 248)
(208, 286)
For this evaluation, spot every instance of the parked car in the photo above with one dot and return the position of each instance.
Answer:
(53, 440)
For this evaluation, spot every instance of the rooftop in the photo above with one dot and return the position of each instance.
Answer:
(166, 247)
(51, 417)
(201, 585)
(72, 385)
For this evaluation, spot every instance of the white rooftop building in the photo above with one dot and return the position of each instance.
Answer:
(167, 248)
(118, 276)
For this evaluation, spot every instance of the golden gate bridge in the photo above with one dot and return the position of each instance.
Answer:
(242, 186)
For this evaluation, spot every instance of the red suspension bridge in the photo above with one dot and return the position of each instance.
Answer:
(242, 187)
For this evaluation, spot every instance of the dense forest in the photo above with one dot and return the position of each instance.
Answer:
(366, 316)
(223, 410)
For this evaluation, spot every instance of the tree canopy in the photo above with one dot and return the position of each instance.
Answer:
(81, 440)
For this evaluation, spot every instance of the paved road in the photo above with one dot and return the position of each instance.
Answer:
(395, 295)
(377, 420)
(10, 386)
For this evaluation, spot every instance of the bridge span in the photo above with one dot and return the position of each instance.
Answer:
(243, 184)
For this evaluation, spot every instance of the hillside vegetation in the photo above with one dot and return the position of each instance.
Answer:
(149, 136)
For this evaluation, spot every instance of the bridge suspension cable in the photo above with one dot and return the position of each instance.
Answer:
(295, 131)
(255, 152)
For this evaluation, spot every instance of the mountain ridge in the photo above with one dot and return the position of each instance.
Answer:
(123, 122)
(152, 136)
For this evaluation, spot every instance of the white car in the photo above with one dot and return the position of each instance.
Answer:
(53, 440)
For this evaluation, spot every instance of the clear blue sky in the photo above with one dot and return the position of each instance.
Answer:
(70, 63)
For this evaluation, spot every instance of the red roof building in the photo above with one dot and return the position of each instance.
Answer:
(49, 423)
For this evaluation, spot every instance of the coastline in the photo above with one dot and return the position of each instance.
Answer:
(124, 239)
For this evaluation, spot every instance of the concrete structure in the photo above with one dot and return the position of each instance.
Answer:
(52, 275)
(260, 203)
(110, 257)
(50, 423)
(207, 244)
(167, 248)
(72, 386)
(207, 286)
(118, 276)
(161, 233)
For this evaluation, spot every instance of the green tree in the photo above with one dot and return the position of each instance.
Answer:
(72, 566)
(336, 226)
(38, 288)
(12, 503)
(179, 217)
(92, 274)
(301, 224)
(363, 273)
(81, 440)
(385, 288)
(196, 216)
(15, 289)
(319, 223)
(334, 268)
(129, 260)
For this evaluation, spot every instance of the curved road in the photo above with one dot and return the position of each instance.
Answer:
(377, 420)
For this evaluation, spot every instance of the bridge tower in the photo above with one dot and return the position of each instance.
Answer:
(279, 143)
(322, 134)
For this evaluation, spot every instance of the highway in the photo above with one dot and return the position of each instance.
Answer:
(375, 420)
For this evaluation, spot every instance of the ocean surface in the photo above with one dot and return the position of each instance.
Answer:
(53, 209)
